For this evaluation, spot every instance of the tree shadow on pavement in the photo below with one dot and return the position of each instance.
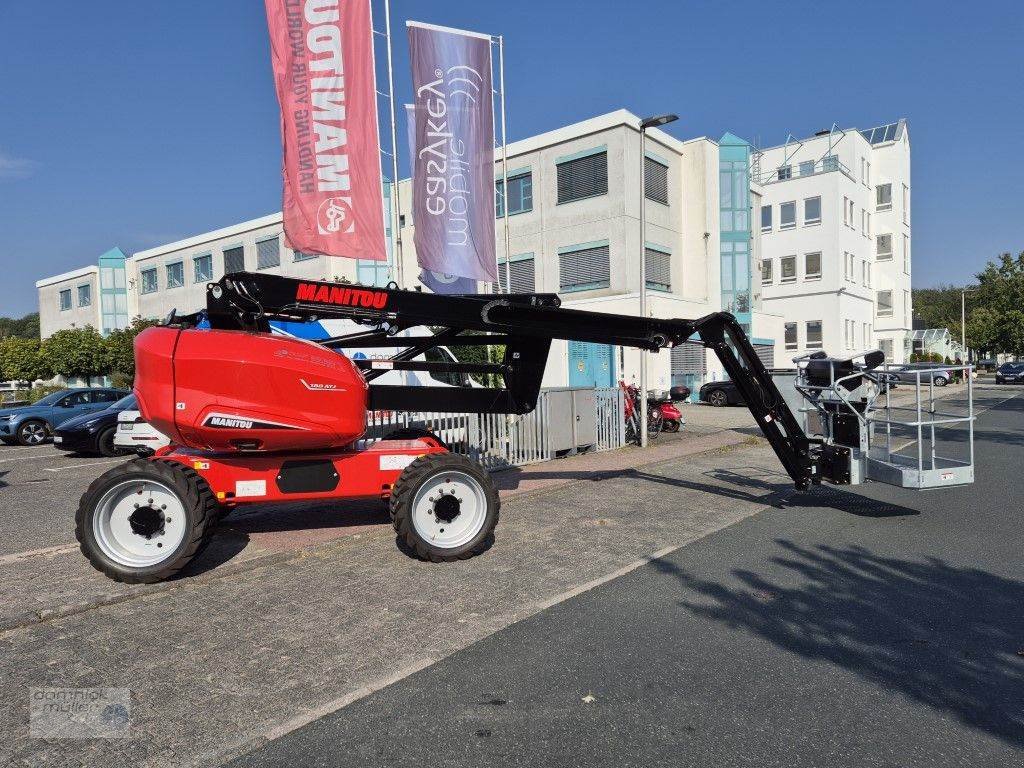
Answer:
(950, 638)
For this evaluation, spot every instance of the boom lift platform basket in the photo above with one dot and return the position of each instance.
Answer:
(255, 417)
(881, 440)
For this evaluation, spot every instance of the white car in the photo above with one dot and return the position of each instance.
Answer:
(134, 433)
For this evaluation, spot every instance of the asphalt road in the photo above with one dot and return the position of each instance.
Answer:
(885, 628)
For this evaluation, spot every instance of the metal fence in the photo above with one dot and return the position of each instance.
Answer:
(497, 441)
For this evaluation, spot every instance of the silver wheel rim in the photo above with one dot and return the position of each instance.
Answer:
(717, 398)
(139, 523)
(440, 496)
(33, 433)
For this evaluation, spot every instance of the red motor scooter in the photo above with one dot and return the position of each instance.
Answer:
(671, 417)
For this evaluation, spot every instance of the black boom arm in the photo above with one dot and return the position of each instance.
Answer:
(524, 323)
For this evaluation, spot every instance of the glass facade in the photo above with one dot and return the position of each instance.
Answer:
(113, 291)
(734, 217)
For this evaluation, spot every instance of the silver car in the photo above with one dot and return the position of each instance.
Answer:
(938, 375)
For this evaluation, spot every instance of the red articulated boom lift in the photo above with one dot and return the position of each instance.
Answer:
(256, 417)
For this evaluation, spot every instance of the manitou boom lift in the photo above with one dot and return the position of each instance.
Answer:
(257, 417)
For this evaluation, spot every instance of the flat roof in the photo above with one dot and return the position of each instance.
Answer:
(205, 237)
(92, 269)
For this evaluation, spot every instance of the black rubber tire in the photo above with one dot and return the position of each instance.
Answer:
(197, 499)
(718, 398)
(9, 440)
(404, 492)
(23, 440)
(671, 425)
(940, 381)
(105, 443)
(414, 433)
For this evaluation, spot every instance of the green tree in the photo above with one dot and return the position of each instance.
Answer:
(20, 360)
(119, 352)
(75, 352)
(26, 327)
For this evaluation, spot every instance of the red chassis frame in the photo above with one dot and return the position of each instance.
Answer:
(340, 473)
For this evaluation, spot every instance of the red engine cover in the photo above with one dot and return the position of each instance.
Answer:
(231, 390)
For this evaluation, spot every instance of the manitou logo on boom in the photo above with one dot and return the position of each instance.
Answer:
(340, 295)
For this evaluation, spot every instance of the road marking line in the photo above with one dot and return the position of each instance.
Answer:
(87, 464)
(18, 556)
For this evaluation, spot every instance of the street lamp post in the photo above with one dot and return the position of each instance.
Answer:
(963, 321)
(645, 123)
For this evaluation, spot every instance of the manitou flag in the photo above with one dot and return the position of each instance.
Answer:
(322, 54)
(453, 177)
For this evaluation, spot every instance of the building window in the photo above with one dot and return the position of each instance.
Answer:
(582, 177)
(884, 303)
(812, 210)
(863, 222)
(883, 197)
(65, 299)
(521, 272)
(655, 180)
(658, 269)
(886, 346)
(784, 172)
(300, 256)
(787, 215)
(807, 168)
(766, 272)
(846, 219)
(883, 248)
(906, 255)
(906, 204)
(788, 269)
(869, 225)
(791, 339)
(852, 224)
(268, 253)
(202, 268)
(234, 260)
(830, 163)
(520, 194)
(584, 267)
(149, 281)
(401, 220)
(868, 179)
(863, 173)
(175, 274)
(812, 266)
(906, 308)
(766, 218)
(813, 334)
(85, 295)
(846, 334)
(865, 269)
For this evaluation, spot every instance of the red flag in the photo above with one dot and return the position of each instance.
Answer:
(322, 53)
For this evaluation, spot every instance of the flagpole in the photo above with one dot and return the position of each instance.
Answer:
(396, 211)
(504, 162)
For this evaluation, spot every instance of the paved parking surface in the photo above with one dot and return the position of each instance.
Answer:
(239, 651)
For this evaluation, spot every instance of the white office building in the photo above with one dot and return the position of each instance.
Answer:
(835, 240)
(824, 221)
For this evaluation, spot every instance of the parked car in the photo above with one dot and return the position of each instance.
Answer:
(135, 434)
(720, 393)
(1010, 373)
(94, 432)
(33, 424)
(938, 375)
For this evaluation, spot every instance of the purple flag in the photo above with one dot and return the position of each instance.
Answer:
(453, 168)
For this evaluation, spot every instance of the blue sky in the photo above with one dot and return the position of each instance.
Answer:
(135, 123)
